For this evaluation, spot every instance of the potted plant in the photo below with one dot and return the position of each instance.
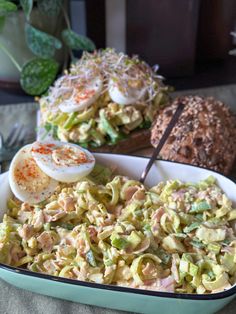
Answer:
(35, 39)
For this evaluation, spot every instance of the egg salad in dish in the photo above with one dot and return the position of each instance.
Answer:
(105, 228)
(102, 99)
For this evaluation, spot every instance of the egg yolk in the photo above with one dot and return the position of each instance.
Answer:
(69, 156)
(30, 177)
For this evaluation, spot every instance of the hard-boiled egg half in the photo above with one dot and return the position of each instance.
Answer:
(27, 181)
(64, 162)
(37, 169)
(82, 95)
(130, 94)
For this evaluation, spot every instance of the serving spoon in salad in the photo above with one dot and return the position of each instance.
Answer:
(162, 141)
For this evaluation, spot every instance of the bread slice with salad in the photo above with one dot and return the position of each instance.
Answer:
(105, 102)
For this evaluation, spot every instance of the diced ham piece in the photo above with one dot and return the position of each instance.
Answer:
(116, 211)
(174, 268)
(16, 253)
(82, 246)
(129, 192)
(139, 195)
(228, 249)
(92, 233)
(24, 216)
(50, 266)
(167, 284)
(68, 204)
(26, 207)
(81, 274)
(158, 214)
(26, 232)
(46, 241)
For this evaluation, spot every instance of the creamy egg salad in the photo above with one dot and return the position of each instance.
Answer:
(175, 237)
(105, 96)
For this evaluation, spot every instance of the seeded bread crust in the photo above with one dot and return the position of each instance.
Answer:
(205, 134)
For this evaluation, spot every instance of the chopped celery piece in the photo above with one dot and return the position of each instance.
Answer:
(147, 227)
(64, 225)
(52, 129)
(163, 255)
(228, 261)
(198, 244)
(193, 269)
(11, 204)
(187, 257)
(97, 137)
(210, 235)
(206, 183)
(67, 226)
(146, 124)
(199, 217)
(107, 127)
(84, 145)
(191, 227)
(119, 243)
(211, 275)
(134, 239)
(214, 247)
(90, 258)
(221, 212)
(219, 283)
(69, 122)
(60, 118)
(186, 219)
(47, 226)
(84, 116)
(170, 243)
(232, 215)
(108, 262)
(200, 207)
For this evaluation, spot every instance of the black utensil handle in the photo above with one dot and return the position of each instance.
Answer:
(162, 141)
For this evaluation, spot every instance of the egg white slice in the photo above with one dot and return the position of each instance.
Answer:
(131, 96)
(27, 181)
(64, 162)
(83, 97)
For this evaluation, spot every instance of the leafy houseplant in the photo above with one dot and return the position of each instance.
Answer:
(37, 74)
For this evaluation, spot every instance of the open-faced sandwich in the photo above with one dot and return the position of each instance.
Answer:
(107, 100)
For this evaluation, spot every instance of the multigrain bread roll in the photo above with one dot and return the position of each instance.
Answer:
(205, 134)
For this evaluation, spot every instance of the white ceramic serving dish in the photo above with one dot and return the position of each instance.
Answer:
(122, 298)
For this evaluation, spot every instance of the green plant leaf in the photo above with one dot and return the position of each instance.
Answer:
(41, 44)
(7, 7)
(27, 6)
(2, 22)
(77, 42)
(50, 7)
(37, 75)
